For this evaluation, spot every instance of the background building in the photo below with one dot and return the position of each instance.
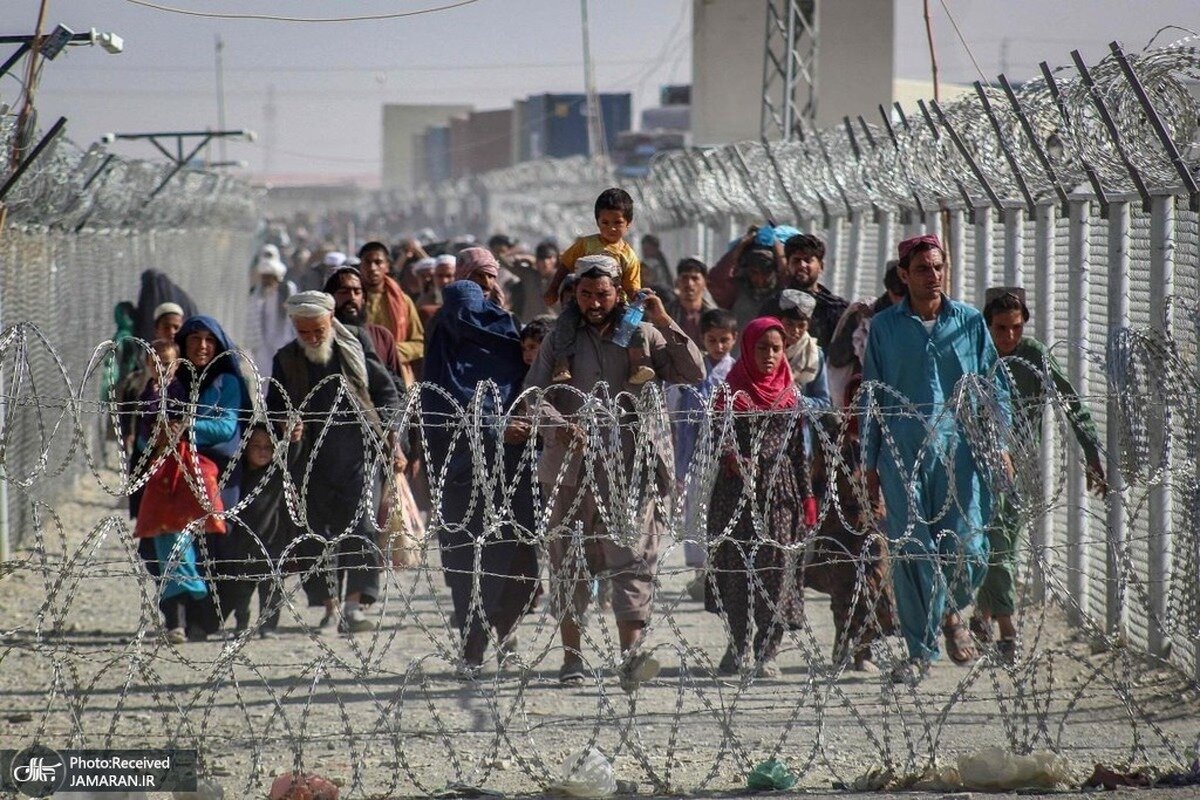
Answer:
(401, 124)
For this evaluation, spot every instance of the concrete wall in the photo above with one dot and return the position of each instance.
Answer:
(854, 58)
(727, 62)
(854, 64)
(489, 141)
(400, 124)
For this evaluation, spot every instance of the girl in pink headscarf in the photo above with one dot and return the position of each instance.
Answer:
(762, 505)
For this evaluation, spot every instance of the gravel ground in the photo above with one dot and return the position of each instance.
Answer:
(83, 664)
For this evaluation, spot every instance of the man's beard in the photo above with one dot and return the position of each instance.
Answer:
(318, 354)
(349, 315)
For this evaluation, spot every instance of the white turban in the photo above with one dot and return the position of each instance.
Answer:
(606, 265)
(269, 262)
(424, 265)
(446, 258)
(333, 260)
(310, 305)
(803, 302)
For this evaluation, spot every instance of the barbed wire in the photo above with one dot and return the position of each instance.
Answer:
(380, 709)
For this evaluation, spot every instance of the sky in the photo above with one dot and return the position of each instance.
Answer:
(330, 79)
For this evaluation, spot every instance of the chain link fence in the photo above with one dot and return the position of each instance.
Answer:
(82, 225)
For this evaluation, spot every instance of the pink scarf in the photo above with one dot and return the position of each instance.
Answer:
(751, 389)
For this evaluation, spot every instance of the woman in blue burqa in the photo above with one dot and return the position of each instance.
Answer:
(481, 487)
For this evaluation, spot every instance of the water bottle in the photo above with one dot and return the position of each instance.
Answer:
(629, 323)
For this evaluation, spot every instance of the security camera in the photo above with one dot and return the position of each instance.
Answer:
(249, 136)
(108, 138)
(111, 42)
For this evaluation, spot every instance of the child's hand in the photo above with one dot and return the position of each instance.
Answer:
(655, 313)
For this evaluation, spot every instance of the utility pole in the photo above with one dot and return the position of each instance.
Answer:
(220, 47)
(270, 111)
(595, 122)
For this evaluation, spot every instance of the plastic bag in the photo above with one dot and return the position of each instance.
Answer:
(587, 773)
(994, 768)
(771, 774)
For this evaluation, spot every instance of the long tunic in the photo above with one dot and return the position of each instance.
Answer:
(931, 484)
(756, 520)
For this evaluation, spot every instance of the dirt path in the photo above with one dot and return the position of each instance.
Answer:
(83, 663)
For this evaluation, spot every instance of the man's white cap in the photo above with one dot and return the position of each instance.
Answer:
(269, 262)
(333, 260)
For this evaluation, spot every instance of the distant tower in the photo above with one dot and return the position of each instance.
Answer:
(269, 113)
(789, 85)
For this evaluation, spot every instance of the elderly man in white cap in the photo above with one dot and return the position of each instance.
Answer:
(267, 325)
(341, 447)
(620, 528)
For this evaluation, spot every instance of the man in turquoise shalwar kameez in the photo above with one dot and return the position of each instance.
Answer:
(918, 458)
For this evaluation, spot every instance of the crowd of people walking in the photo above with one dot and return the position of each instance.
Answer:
(790, 438)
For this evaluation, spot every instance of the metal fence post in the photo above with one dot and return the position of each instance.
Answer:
(1041, 534)
(833, 246)
(1078, 259)
(854, 261)
(958, 254)
(1162, 284)
(1118, 318)
(983, 253)
(1014, 246)
(884, 244)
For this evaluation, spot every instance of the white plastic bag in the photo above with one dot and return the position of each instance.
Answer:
(587, 773)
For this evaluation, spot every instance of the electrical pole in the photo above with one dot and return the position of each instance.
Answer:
(595, 121)
(220, 47)
(270, 110)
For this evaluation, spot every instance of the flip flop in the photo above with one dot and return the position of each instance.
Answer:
(958, 644)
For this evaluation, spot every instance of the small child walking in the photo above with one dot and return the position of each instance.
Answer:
(614, 215)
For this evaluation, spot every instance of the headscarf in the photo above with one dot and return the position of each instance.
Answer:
(224, 361)
(157, 289)
(476, 259)
(474, 340)
(751, 390)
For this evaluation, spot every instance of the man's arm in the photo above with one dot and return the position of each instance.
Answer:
(721, 284)
(412, 348)
(868, 427)
(675, 356)
(1078, 412)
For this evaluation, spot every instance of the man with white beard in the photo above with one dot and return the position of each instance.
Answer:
(340, 449)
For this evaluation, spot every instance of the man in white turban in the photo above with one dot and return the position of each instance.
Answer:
(341, 447)
(267, 325)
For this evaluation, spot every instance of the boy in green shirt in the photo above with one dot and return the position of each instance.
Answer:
(1027, 363)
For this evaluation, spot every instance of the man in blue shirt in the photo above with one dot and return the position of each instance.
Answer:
(918, 458)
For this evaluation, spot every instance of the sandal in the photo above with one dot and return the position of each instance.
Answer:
(958, 643)
(982, 631)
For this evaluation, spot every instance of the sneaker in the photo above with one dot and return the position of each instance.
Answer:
(572, 673)
(642, 375)
(638, 669)
(730, 663)
(354, 621)
(176, 636)
(267, 633)
(1006, 650)
(911, 672)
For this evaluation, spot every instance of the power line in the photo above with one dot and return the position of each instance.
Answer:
(279, 18)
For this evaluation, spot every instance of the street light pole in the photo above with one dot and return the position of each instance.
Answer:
(220, 49)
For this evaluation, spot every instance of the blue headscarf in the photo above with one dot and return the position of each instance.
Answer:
(474, 340)
(224, 362)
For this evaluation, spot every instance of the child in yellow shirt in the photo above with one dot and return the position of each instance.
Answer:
(614, 214)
